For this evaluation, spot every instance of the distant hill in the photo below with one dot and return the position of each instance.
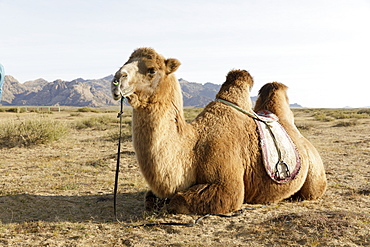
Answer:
(198, 95)
(79, 92)
(91, 93)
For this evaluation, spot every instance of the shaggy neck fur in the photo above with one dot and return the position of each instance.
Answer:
(160, 134)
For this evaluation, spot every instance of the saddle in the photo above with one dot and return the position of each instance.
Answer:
(280, 155)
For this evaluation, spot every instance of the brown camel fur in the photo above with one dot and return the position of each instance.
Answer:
(273, 97)
(213, 164)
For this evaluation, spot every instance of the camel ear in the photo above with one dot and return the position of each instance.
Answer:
(172, 65)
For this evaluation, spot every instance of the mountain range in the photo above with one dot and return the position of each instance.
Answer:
(90, 93)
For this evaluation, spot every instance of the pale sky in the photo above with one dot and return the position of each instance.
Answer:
(319, 48)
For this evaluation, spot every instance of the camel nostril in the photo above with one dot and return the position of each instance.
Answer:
(124, 74)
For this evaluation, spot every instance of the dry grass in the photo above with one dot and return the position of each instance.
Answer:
(60, 193)
(30, 131)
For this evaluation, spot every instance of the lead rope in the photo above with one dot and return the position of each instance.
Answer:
(117, 165)
(199, 219)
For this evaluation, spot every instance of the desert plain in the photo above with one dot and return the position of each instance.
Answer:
(58, 190)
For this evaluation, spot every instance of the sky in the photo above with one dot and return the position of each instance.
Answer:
(320, 49)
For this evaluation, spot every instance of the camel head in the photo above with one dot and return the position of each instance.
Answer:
(143, 76)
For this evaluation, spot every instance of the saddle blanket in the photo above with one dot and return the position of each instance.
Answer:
(280, 155)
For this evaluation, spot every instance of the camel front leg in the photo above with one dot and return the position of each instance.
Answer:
(154, 203)
(207, 198)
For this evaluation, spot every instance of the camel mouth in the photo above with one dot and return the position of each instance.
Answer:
(123, 94)
(121, 89)
(127, 92)
(116, 96)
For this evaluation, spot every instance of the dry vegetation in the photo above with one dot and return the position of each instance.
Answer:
(56, 190)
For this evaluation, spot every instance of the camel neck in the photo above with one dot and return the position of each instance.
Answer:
(165, 111)
(159, 117)
(160, 136)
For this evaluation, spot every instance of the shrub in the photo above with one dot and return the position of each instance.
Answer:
(346, 124)
(304, 126)
(16, 110)
(345, 114)
(99, 123)
(75, 114)
(126, 134)
(87, 109)
(31, 132)
(364, 111)
(322, 117)
(339, 115)
(359, 116)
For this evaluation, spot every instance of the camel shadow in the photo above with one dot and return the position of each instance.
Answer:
(97, 208)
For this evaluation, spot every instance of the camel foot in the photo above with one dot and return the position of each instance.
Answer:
(154, 203)
(178, 205)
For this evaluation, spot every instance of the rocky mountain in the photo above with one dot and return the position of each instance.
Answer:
(198, 95)
(11, 87)
(79, 92)
(91, 93)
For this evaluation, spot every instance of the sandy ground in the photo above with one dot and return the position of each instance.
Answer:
(60, 194)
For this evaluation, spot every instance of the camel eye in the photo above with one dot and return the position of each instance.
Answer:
(151, 71)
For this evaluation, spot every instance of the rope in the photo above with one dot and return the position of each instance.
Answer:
(251, 114)
(118, 162)
(199, 219)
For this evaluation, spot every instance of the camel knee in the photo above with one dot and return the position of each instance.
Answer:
(154, 203)
(207, 198)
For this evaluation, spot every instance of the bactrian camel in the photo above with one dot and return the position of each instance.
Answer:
(212, 164)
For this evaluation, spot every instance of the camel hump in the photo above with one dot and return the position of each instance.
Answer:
(239, 78)
(270, 88)
(236, 80)
(273, 97)
(236, 88)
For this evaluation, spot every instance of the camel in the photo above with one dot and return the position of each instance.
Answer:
(212, 164)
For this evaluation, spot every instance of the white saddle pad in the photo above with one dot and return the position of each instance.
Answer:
(287, 167)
